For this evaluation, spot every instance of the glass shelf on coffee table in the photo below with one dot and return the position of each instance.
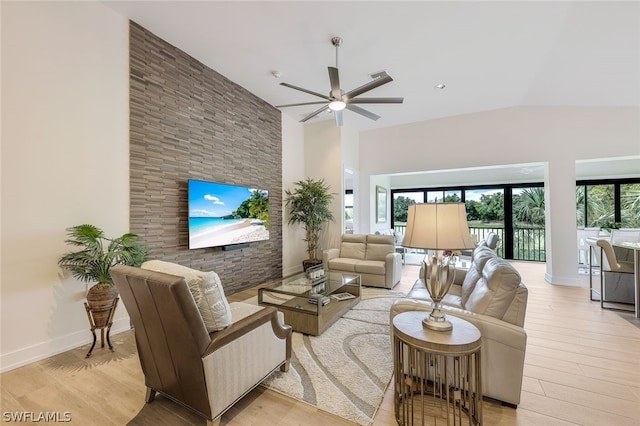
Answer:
(304, 302)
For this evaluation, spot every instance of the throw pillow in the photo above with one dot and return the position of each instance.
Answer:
(211, 301)
(206, 289)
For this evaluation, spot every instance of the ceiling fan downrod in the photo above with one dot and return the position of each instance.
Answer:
(336, 41)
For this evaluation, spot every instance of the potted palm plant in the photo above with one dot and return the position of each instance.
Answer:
(309, 205)
(91, 263)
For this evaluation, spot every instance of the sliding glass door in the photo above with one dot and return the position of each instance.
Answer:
(514, 212)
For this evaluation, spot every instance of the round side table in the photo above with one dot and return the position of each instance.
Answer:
(436, 374)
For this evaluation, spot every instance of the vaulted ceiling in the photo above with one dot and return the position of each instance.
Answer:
(488, 54)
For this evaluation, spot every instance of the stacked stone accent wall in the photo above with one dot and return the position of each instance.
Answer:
(189, 122)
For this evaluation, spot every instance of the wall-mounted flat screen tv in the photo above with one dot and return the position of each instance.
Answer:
(225, 215)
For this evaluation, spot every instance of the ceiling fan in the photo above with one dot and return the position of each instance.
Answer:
(338, 100)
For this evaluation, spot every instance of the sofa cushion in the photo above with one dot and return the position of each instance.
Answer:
(206, 289)
(419, 291)
(343, 264)
(375, 267)
(480, 256)
(380, 239)
(354, 238)
(379, 250)
(397, 236)
(495, 290)
(352, 250)
(353, 246)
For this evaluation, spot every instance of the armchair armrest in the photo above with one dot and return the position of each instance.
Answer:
(241, 356)
(245, 325)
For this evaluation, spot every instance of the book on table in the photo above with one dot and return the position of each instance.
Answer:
(325, 300)
(343, 296)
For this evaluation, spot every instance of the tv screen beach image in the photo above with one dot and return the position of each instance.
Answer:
(222, 214)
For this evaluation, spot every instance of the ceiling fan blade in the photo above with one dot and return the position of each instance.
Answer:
(335, 83)
(313, 114)
(339, 120)
(383, 79)
(301, 104)
(291, 86)
(363, 112)
(376, 101)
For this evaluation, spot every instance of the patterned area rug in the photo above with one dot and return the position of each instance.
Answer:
(346, 369)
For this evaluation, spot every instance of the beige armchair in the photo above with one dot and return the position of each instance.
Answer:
(207, 372)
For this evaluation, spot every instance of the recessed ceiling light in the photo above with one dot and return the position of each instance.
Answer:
(439, 86)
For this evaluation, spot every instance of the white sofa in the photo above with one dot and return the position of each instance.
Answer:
(373, 257)
(493, 298)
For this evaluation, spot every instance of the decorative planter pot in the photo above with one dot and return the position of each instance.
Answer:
(309, 263)
(100, 299)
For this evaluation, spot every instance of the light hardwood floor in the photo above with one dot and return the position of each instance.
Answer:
(582, 368)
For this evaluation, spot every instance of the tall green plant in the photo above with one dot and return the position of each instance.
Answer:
(98, 253)
(309, 205)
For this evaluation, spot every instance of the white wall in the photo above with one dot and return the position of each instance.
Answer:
(323, 160)
(293, 246)
(557, 136)
(65, 161)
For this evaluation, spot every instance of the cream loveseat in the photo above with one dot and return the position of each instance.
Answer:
(493, 298)
(373, 257)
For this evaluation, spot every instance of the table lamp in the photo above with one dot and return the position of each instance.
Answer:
(439, 227)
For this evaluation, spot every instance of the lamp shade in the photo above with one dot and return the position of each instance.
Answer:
(438, 226)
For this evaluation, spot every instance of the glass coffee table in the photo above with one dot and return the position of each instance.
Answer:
(311, 306)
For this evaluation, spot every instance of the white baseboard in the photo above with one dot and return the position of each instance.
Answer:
(40, 351)
(567, 281)
(291, 270)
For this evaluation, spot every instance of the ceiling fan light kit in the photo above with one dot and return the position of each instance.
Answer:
(338, 100)
(337, 105)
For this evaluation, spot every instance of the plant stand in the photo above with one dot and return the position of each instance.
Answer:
(90, 315)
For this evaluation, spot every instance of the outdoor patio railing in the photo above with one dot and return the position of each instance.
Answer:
(528, 243)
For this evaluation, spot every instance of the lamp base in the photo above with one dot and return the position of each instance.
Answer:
(437, 325)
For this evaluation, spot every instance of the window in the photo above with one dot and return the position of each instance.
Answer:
(400, 206)
(630, 205)
(485, 214)
(516, 212)
(489, 209)
(608, 203)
